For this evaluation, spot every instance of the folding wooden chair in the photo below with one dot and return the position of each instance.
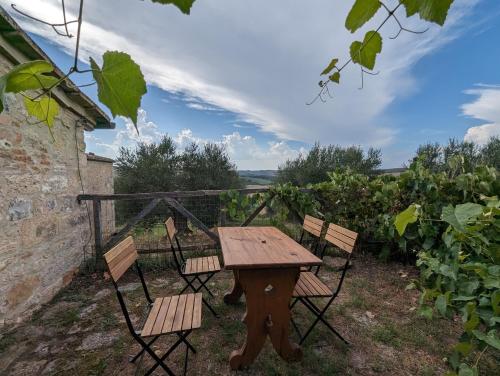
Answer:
(311, 233)
(310, 286)
(192, 269)
(178, 314)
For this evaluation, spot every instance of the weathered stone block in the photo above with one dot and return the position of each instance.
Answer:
(20, 208)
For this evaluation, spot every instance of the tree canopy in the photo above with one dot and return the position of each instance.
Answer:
(320, 160)
(437, 158)
(159, 167)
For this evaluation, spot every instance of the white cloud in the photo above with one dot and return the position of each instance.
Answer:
(243, 150)
(259, 59)
(128, 136)
(485, 107)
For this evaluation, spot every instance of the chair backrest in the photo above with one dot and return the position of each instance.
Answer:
(313, 225)
(120, 258)
(341, 237)
(171, 230)
(174, 244)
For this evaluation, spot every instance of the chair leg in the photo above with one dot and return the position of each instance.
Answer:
(159, 361)
(210, 307)
(319, 317)
(202, 283)
(296, 327)
(186, 360)
(134, 358)
(183, 337)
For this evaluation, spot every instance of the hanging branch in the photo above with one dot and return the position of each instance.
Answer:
(65, 24)
(390, 14)
(53, 25)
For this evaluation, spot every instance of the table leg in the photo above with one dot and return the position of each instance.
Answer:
(234, 295)
(268, 293)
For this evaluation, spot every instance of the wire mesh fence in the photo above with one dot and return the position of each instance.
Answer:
(196, 215)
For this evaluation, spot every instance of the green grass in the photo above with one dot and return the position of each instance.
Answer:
(387, 334)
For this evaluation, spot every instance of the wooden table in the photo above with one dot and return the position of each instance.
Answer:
(266, 265)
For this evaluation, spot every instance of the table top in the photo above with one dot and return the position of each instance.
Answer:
(262, 247)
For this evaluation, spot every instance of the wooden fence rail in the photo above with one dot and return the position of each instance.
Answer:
(171, 199)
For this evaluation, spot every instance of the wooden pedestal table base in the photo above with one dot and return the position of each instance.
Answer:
(233, 297)
(268, 294)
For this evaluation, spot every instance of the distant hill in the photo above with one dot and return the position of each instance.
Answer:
(258, 177)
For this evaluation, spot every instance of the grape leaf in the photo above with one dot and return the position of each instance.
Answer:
(27, 76)
(403, 219)
(44, 109)
(361, 12)
(183, 5)
(429, 10)
(335, 77)
(459, 216)
(364, 53)
(330, 66)
(120, 84)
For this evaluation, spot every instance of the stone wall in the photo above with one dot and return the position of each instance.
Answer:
(43, 229)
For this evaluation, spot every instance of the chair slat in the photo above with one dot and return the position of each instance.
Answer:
(216, 263)
(179, 314)
(309, 285)
(188, 313)
(169, 319)
(153, 314)
(196, 323)
(158, 325)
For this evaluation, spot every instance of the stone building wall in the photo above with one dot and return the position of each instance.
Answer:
(43, 229)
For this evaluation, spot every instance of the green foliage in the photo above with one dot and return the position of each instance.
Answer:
(460, 274)
(27, 76)
(429, 10)
(406, 217)
(448, 224)
(120, 84)
(285, 201)
(183, 5)
(364, 53)
(239, 206)
(314, 167)
(362, 11)
(330, 66)
(458, 156)
(293, 197)
(44, 109)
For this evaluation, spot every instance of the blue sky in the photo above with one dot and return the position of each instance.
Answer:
(239, 74)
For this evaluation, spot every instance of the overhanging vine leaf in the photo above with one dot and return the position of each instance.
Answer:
(31, 75)
(430, 10)
(330, 66)
(365, 53)
(361, 12)
(335, 77)
(183, 5)
(44, 109)
(120, 84)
